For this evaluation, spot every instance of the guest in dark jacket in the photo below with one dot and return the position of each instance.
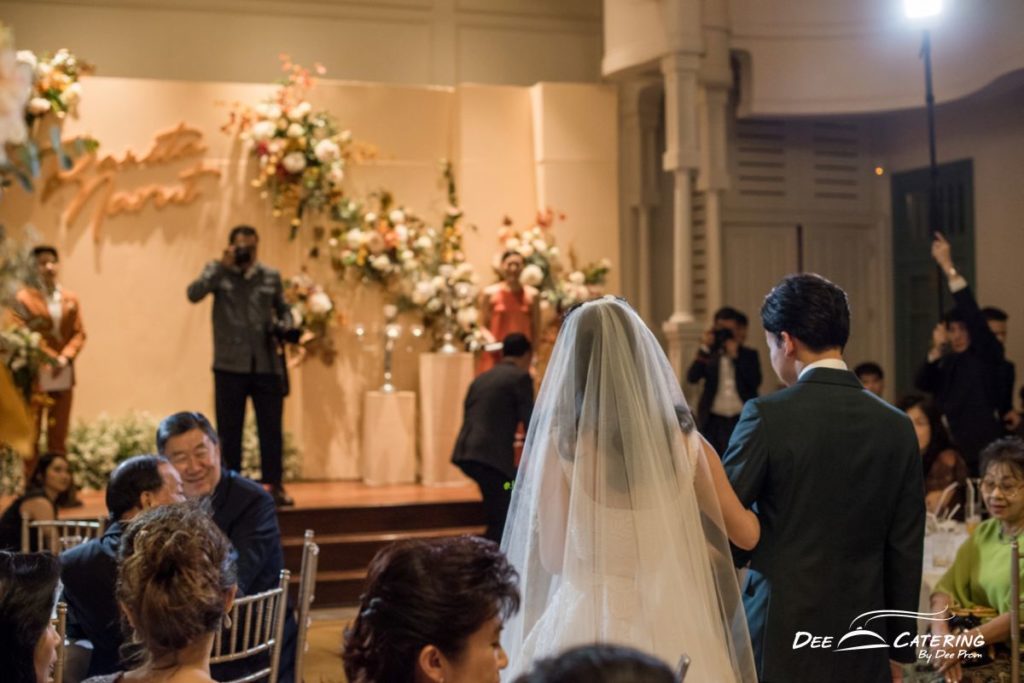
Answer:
(89, 572)
(962, 368)
(731, 374)
(496, 403)
(241, 508)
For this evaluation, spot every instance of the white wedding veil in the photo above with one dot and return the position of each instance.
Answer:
(614, 526)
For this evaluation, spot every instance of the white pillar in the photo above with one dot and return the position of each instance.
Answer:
(681, 158)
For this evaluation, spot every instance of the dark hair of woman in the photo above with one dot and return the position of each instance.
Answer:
(420, 593)
(509, 254)
(174, 574)
(600, 664)
(939, 441)
(38, 479)
(28, 585)
(1008, 451)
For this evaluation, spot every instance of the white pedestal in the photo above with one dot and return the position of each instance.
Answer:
(389, 438)
(444, 380)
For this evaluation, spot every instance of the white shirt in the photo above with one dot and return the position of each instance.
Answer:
(727, 401)
(830, 363)
(54, 302)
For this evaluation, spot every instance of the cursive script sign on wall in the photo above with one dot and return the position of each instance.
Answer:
(97, 178)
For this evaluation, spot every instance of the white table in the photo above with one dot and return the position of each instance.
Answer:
(444, 380)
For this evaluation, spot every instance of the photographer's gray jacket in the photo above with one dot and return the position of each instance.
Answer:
(246, 308)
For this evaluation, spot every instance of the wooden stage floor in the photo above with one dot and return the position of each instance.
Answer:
(319, 494)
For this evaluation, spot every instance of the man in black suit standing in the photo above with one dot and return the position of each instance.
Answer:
(834, 475)
(89, 571)
(497, 401)
(731, 374)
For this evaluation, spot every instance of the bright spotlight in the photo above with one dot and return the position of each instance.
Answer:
(922, 9)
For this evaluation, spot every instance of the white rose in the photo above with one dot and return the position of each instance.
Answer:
(397, 216)
(532, 275)
(29, 58)
(337, 173)
(438, 283)
(327, 151)
(263, 130)
(299, 111)
(38, 105)
(407, 255)
(71, 95)
(577, 278)
(410, 265)
(294, 162)
(422, 293)
(463, 290)
(424, 243)
(446, 270)
(526, 250)
(43, 69)
(381, 262)
(320, 303)
(434, 306)
(468, 316)
(268, 111)
(511, 243)
(371, 217)
(296, 130)
(540, 245)
(402, 233)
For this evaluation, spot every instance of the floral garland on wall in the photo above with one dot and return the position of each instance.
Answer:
(561, 287)
(53, 91)
(301, 154)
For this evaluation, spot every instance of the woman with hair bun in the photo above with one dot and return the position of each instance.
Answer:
(175, 583)
(433, 612)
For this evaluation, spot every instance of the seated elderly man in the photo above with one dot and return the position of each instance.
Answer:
(241, 508)
(89, 572)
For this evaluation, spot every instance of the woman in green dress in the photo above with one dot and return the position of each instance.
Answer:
(980, 577)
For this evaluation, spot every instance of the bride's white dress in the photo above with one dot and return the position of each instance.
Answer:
(614, 527)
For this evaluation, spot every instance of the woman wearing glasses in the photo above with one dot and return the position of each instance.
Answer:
(979, 576)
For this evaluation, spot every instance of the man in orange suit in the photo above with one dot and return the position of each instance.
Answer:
(54, 312)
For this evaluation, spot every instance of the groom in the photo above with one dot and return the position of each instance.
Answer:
(834, 475)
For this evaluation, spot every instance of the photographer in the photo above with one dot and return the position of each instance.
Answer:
(249, 317)
(731, 374)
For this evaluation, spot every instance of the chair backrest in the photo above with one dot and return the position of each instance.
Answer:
(257, 625)
(58, 535)
(60, 622)
(307, 593)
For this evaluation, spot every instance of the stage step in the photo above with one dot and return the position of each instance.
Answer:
(349, 537)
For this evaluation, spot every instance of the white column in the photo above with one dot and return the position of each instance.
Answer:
(681, 158)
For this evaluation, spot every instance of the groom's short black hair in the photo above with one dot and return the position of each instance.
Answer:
(809, 308)
(515, 345)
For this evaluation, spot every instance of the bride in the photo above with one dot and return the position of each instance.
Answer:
(620, 513)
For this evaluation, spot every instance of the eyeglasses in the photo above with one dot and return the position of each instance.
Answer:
(1009, 489)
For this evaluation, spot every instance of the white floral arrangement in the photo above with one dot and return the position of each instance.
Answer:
(21, 352)
(559, 286)
(56, 86)
(313, 314)
(381, 243)
(444, 287)
(301, 154)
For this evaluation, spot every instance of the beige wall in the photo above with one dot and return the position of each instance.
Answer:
(149, 349)
(441, 42)
(988, 130)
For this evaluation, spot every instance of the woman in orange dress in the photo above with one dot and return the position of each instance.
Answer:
(508, 306)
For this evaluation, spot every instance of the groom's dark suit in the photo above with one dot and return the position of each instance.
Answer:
(835, 476)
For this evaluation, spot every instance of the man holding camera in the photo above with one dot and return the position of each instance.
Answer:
(249, 316)
(731, 374)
